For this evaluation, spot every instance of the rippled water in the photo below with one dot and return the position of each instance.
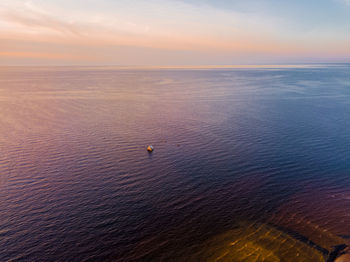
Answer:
(250, 164)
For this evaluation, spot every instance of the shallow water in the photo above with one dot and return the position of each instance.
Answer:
(253, 156)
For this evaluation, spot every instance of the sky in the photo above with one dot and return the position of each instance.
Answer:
(173, 32)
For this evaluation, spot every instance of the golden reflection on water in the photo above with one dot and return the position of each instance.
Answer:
(258, 242)
(306, 228)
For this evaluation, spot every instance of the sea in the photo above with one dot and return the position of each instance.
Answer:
(250, 163)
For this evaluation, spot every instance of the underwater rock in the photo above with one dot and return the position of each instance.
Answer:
(257, 242)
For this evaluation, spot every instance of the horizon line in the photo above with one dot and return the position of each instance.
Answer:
(234, 66)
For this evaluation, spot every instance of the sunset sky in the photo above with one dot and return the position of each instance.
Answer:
(169, 32)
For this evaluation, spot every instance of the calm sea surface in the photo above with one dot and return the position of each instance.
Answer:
(250, 164)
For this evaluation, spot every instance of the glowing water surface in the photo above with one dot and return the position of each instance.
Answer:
(250, 164)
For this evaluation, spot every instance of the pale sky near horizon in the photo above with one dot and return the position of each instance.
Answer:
(173, 32)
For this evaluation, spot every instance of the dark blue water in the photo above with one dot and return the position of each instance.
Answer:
(250, 164)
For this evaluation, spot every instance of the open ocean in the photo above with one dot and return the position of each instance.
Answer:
(249, 164)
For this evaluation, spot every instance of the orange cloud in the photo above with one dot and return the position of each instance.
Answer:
(43, 55)
(67, 34)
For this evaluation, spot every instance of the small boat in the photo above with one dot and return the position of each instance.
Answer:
(150, 148)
